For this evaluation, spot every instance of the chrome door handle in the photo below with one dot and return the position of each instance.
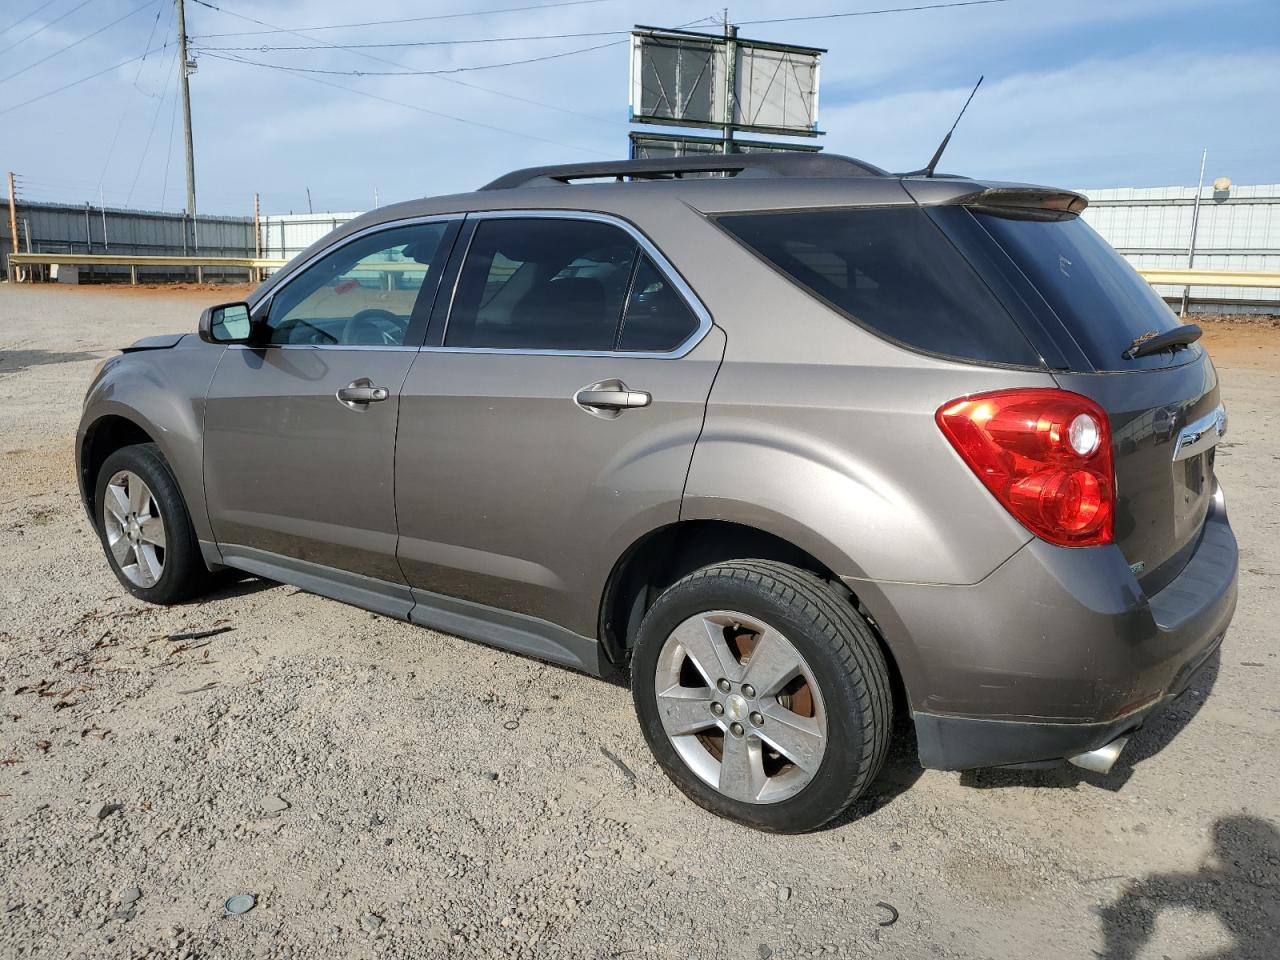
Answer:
(359, 393)
(613, 399)
(607, 399)
(612, 394)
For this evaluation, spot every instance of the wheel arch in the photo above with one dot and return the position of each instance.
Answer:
(101, 438)
(667, 554)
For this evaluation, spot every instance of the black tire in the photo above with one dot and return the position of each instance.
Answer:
(184, 573)
(842, 653)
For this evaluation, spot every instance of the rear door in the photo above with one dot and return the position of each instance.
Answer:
(1165, 410)
(551, 418)
(300, 428)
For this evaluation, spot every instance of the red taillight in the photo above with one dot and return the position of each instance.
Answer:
(1045, 454)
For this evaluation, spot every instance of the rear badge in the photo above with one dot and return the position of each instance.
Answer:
(1137, 568)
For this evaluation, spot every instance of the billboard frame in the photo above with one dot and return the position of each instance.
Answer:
(731, 42)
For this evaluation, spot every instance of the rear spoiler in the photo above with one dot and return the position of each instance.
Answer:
(1030, 202)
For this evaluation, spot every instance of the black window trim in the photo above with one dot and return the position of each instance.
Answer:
(663, 265)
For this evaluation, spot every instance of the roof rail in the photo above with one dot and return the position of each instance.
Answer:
(674, 168)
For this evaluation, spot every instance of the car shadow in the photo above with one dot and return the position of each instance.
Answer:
(1158, 732)
(1239, 883)
(15, 361)
(232, 584)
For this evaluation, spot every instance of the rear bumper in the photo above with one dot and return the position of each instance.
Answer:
(1056, 653)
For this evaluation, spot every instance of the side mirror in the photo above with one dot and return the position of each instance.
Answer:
(226, 323)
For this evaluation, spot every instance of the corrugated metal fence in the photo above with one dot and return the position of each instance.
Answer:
(1238, 229)
(67, 228)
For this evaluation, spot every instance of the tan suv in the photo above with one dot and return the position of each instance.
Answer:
(797, 442)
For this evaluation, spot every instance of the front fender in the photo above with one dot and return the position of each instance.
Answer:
(161, 392)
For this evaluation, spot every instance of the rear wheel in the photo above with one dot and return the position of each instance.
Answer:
(145, 528)
(763, 694)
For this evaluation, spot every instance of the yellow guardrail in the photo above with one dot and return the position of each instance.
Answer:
(1181, 278)
(251, 264)
(1211, 278)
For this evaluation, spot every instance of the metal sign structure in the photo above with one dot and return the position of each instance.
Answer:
(669, 145)
(683, 78)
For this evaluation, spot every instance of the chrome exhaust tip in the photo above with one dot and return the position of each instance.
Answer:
(1102, 759)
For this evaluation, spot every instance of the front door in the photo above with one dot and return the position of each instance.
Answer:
(553, 421)
(300, 429)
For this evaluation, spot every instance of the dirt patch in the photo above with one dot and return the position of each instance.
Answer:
(1252, 344)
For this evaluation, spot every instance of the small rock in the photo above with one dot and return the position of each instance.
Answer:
(764, 952)
(105, 810)
(784, 894)
(370, 922)
(275, 805)
(130, 895)
(491, 775)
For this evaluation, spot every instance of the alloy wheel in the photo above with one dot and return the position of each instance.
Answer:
(741, 707)
(134, 528)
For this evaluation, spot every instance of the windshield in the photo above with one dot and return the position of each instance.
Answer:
(1097, 295)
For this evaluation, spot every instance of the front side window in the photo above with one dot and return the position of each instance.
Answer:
(542, 284)
(362, 294)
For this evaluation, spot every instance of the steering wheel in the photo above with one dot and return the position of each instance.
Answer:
(320, 335)
(356, 329)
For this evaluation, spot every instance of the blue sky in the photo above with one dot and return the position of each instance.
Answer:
(1083, 93)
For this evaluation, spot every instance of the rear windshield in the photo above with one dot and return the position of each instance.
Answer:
(1099, 298)
(892, 271)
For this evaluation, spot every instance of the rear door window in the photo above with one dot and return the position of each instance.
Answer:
(893, 272)
(656, 319)
(542, 284)
(1099, 298)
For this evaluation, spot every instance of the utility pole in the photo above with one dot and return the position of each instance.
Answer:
(730, 68)
(1195, 222)
(13, 225)
(186, 65)
(257, 237)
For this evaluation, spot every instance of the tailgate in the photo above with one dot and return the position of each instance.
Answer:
(1165, 424)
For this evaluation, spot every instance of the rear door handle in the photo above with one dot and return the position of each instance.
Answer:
(613, 399)
(358, 393)
(608, 398)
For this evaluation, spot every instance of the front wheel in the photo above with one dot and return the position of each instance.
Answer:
(145, 527)
(763, 694)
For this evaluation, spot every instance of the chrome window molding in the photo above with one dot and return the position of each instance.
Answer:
(665, 267)
(290, 272)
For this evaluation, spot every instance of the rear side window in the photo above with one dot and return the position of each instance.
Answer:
(542, 284)
(657, 319)
(1098, 297)
(891, 271)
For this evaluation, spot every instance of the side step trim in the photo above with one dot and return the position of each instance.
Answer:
(389, 599)
(510, 631)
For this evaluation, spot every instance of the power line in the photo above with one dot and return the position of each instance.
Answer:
(381, 23)
(425, 43)
(76, 43)
(146, 147)
(443, 116)
(128, 100)
(445, 78)
(76, 83)
(45, 27)
(38, 8)
(415, 73)
(872, 13)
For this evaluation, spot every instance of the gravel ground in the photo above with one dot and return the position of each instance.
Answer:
(385, 791)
